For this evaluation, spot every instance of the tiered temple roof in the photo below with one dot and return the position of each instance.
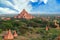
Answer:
(24, 14)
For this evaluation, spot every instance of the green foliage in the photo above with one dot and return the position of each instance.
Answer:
(0, 30)
(0, 38)
(36, 26)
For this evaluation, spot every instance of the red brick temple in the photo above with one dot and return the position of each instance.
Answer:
(24, 14)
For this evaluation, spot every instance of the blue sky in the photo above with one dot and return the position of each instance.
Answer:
(32, 6)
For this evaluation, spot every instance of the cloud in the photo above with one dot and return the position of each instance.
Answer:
(6, 11)
(34, 0)
(16, 5)
(45, 1)
(20, 4)
(6, 3)
(50, 7)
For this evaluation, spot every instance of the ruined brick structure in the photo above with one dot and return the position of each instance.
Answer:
(24, 14)
(7, 18)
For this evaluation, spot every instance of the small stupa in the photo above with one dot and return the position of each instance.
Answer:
(8, 36)
(15, 34)
(47, 28)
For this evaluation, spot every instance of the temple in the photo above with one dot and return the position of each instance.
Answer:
(15, 34)
(8, 36)
(24, 14)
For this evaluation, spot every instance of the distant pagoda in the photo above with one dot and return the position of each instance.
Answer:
(24, 14)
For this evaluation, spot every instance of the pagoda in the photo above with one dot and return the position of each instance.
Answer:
(15, 34)
(24, 14)
(47, 28)
(8, 36)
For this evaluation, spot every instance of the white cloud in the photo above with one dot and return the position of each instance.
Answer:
(21, 4)
(18, 5)
(34, 0)
(5, 2)
(45, 1)
(6, 11)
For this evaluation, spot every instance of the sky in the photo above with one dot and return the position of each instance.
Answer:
(31, 6)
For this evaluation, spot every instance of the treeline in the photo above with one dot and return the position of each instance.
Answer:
(32, 27)
(18, 24)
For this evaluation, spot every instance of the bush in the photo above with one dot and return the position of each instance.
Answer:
(0, 30)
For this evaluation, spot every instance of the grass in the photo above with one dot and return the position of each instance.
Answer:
(51, 34)
(39, 34)
(0, 38)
